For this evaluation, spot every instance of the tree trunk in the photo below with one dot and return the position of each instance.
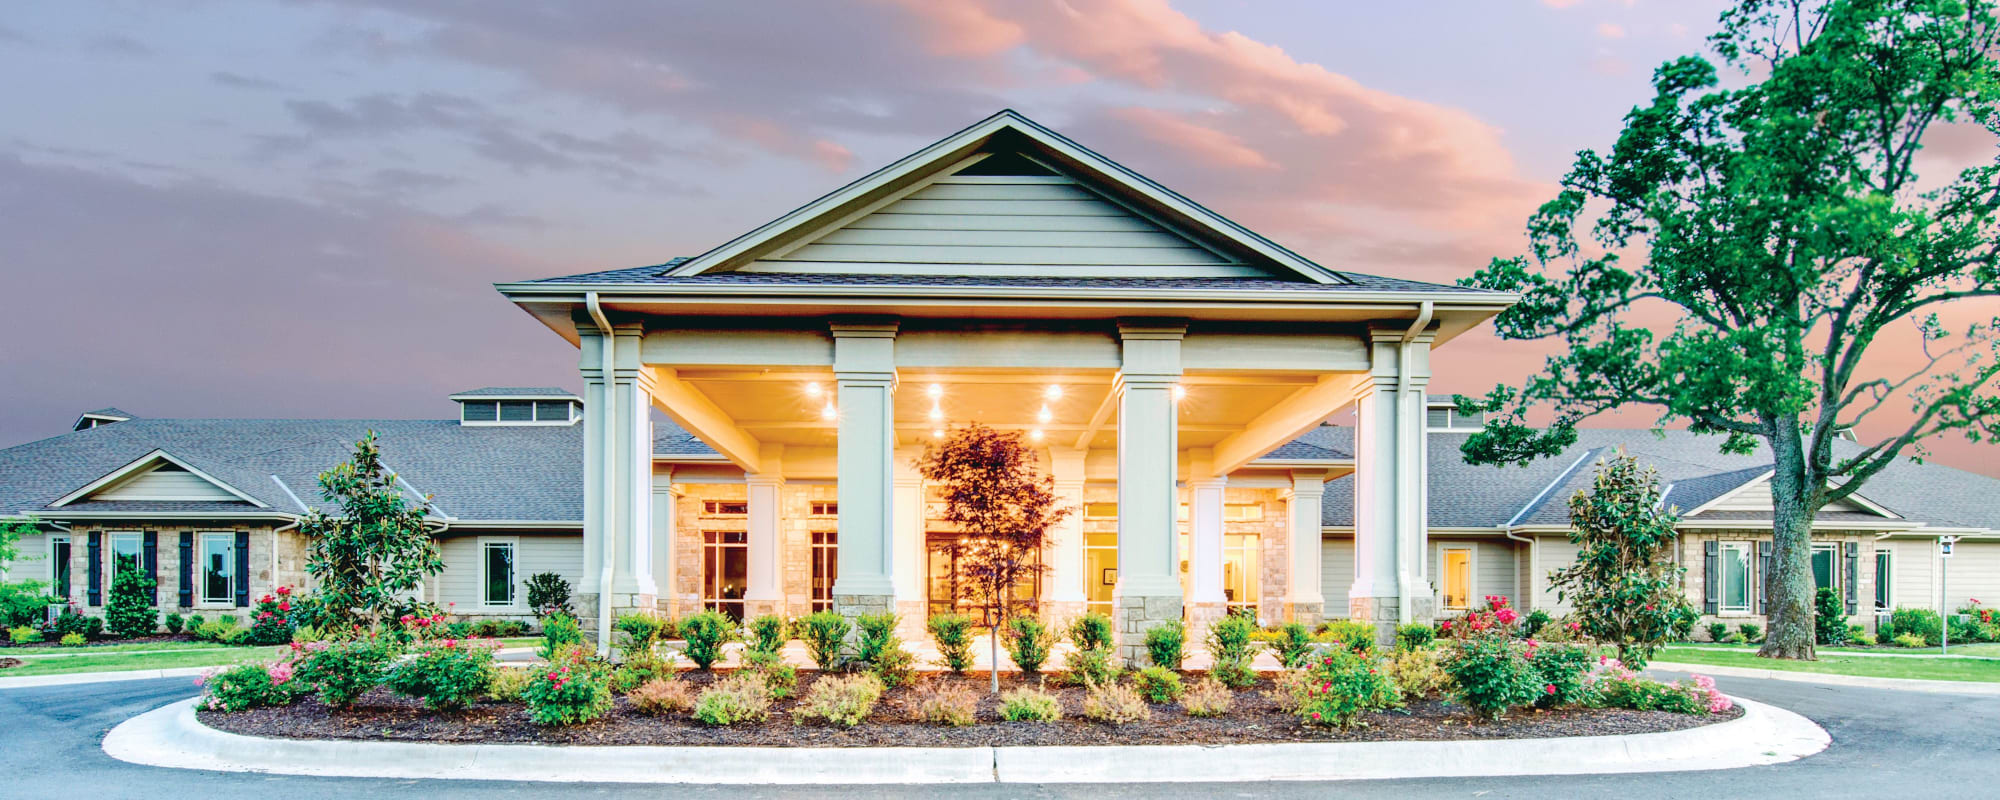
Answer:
(1788, 594)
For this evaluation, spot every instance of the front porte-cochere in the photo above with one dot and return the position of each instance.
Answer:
(1166, 359)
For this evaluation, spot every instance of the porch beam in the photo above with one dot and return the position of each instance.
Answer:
(697, 414)
(1291, 418)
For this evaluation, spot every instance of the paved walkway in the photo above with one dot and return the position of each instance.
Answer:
(1899, 684)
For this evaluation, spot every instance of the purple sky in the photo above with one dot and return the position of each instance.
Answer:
(296, 208)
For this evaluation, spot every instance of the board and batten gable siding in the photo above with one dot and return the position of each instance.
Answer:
(458, 584)
(162, 484)
(1336, 573)
(1005, 225)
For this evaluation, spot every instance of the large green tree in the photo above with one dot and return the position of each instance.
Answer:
(368, 559)
(1745, 256)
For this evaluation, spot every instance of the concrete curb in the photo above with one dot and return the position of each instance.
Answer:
(66, 679)
(171, 736)
(1898, 684)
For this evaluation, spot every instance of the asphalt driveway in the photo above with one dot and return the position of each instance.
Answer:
(1885, 744)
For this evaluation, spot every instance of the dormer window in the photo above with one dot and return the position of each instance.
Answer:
(518, 407)
(1447, 418)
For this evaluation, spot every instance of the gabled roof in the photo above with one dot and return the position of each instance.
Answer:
(140, 468)
(1011, 133)
(516, 392)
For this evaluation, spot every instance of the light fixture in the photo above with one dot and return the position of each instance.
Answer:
(937, 412)
(936, 391)
(1054, 392)
(1035, 434)
(1045, 416)
(937, 433)
(1180, 392)
(828, 412)
(812, 390)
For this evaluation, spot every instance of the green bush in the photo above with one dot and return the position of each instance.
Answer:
(560, 632)
(1862, 638)
(236, 635)
(570, 691)
(1029, 704)
(633, 674)
(1090, 667)
(73, 640)
(1533, 623)
(779, 677)
(1229, 641)
(1418, 672)
(1092, 631)
(843, 701)
(444, 675)
(217, 630)
(642, 634)
(1492, 676)
(130, 612)
(499, 628)
(1829, 617)
(706, 633)
(1965, 630)
(1166, 644)
(1561, 669)
(548, 594)
(878, 647)
(1641, 694)
(1028, 642)
(739, 698)
(767, 634)
(825, 635)
(194, 623)
(175, 622)
(23, 634)
(24, 603)
(1157, 684)
(1342, 687)
(1353, 634)
(245, 687)
(1717, 631)
(1751, 632)
(1910, 640)
(1415, 635)
(343, 671)
(1921, 622)
(953, 635)
(508, 683)
(1294, 644)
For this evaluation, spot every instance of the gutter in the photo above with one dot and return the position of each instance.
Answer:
(607, 363)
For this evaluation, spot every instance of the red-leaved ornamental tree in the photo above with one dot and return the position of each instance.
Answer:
(1004, 510)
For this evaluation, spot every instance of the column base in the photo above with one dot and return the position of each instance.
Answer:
(1135, 615)
(1060, 614)
(854, 605)
(585, 604)
(1200, 615)
(913, 620)
(1384, 612)
(1307, 614)
(774, 607)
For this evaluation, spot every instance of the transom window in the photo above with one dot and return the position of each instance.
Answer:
(218, 567)
(825, 508)
(1100, 510)
(1231, 512)
(1735, 577)
(725, 508)
(496, 573)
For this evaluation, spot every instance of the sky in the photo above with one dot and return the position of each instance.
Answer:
(297, 209)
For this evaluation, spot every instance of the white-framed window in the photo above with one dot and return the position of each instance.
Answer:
(825, 568)
(59, 551)
(1231, 512)
(1734, 573)
(1825, 565)
(1100, 510)
(127, 552)
(825, 508)
(517, 412)
(1885, 571)
(216, 555)
(496, 572)
(1455, 570)
(725, 508)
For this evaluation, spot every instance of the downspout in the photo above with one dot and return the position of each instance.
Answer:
(1527, 593)
(607, 365)
(1425, 310)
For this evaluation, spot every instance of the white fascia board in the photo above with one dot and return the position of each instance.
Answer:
(514, 524)
(143, 462)
(546, 398)
(1765, 478)
(641, 293)
(1304, 463)
(149, 515)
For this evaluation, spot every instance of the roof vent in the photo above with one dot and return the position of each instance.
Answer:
(517, 405)
(99, 418)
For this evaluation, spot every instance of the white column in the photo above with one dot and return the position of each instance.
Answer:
(595, 528)
(1149, 588)
(1208, 602)
(1066, 598)
(1305, 601)
(864, 365)
(664, 572)
(908, 521)
(765, 593)
(1389, 485)
(631, 427)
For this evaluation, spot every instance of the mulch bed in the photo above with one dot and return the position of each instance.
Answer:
(10, 662)
(52, 646)
(381, 715)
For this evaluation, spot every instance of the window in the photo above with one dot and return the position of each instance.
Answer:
(125, 552)
(1231, 512)
(725, 571)
(59, 566)
(1457, 578)
(1438, 417)
(1100, 510)
(1239, 570)
(1100, 570)
(479, 412)
(1885, 566)
(1735, 577)
(825, 508)
(496, 573)
(218, 567)
(548, 411)
(825, 566)
(725, 508)
(1822, 565)
(517, 411)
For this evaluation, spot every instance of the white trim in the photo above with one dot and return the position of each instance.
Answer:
(1722, 607)
(1882, 578)
(1559, 480)
(1471, 576)
(291, 494)
(514, 593)
(49, 552)
(146, 461)
(1764, 479)
(199, 572)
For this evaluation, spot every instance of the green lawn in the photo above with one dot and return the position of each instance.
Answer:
(1834, 662)
(24, 651)
(123, 662)
(1988, 649)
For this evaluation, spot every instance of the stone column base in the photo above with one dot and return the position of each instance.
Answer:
(1199, 617)
(1307, 614)
(1384, 612)
(585, 604)
(753, 609)
(912, 619)
(854, 605)
(1060, 614)
(1135, 615)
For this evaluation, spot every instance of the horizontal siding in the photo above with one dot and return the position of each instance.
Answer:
(1336, 573)
(33, 564)
(1974, 571)
(1031, 270)
(1494, 569)
(894, 220)
(459, 583)
(1556, 552)
(1008, 254)
(165, 486)
(1915, 581)
(1004, 191)
(982, 238)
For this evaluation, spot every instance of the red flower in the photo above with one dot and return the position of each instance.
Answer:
(1552, 688)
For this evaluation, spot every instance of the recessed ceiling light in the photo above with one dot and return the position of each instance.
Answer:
(1045, 416)
(812, 390)
(936, 412)
(828, 412)
(936, 391)
(1054, 392)
(1035, 434)
(1180, 392)
(937, 433)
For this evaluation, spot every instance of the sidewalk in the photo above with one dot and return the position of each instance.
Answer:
(1897, 684)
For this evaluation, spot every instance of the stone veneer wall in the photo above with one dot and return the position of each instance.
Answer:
(1690, 554)
(796, 525)
(290, 562)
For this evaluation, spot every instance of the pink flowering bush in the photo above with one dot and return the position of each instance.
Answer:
(1562, 669)
(571, 690)
(343, 671)
(1340, 688)
(1614, 685)
(271, 621)
(446, 674)
(248, 686)
(1492, 674)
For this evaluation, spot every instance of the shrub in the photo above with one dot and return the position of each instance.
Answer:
(1414, 635)
(1418, 672)
(548, 594)
(498, 628)
(130, 612)
(1116, 703)
(73, 640)
(235, 635)
(1921, 622)
(1166, 644)
(175, 622)
(447, 675)
(1353, 634)
(1028, 642)
(1092, 631)
(642, 633)
(706, 633)
(572, 690)
(1829, 617)
(1158, 684)
(634, 674)
(343, 671)
(560, 632)
(780, 678)
(739, 698)
(825, 634)
(1342, 687)
(215, 630)
(947, 703)
(843, 701)
(1750, 631)
(1534, 623)
(1967, 630)
(194, 621)
(1717, 631)
(23, 602)
(247, 686)
(1208, 698)
(1235, 673)
(662, 696)
(953, 635)
(23, 634)
(881, 649)
(1089, 667)
(1029, 704)
(1288, 689)
(1862, 638)
(1561, 669)
(508, 683)
(1229, 643)
(1492, 676)
(1294, 644)
(271, 620)
(1910, 640)
(1613, 685)
(767, 634)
